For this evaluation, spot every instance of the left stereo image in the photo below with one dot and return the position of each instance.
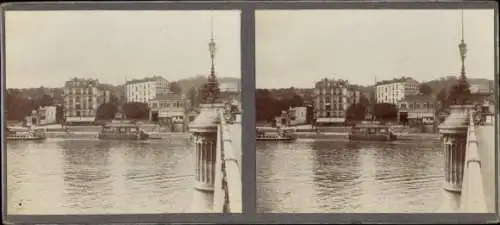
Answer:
(122, 112)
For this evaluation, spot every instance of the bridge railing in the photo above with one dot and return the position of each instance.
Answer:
(228, 183)
(472, 199)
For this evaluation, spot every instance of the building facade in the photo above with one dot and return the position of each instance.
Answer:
(233, 86)
(48, 115)
(82, 98)
(298, 115)
(482, 88)
(332, 99)
(170, 110)
(393, 91)
(146, 89)
(418, 109)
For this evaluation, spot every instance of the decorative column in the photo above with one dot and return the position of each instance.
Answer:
(454, 136)
(204, 131)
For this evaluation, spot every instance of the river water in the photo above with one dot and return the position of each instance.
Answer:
(321, 176)
(89, 176)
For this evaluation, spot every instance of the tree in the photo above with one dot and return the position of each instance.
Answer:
(266, 106)
(45, 100)
(373, 97)
(425, 89)
(107, 111)
(193, 97)
(17, 106)
(294, 100)
(113, 99)
(356, 112)
(442, 96)
(175, 88)
(270, 103)
(363, 100)
(136, 110)
(385, 111)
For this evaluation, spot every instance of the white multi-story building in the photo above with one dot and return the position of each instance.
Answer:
(144, 90)
(393, 91)
(481, 88)
(82, 98)
(229, 86)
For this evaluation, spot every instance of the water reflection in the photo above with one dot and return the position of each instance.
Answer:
(60, 176)
(286, 170)
(336, 171)
(86, 173)
(343, 176)
(34, 171)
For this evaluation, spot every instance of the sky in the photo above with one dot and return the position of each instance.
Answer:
(46, 48)
(298, 48)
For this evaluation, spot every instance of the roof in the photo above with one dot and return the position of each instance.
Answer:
(81, 82)
(335, 82)
(146, 79)
(17, 128)
(396, 80)
(119, 124)
(361, 125)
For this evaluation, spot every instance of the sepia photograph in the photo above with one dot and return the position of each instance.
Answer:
(375, 111)
(122, 112)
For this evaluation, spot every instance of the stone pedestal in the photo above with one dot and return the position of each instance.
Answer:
(454, 136)
(204, 131)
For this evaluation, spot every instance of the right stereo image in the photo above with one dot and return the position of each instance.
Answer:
(375, 111)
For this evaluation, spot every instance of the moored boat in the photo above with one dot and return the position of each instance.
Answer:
(280, 135)
(24, 133)
(122, 131)
(371, 131)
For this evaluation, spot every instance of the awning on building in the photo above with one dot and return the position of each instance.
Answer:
(170, 113)
(330, 120)
(80, 119)
(416, 115)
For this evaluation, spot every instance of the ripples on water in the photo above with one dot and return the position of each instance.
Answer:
(340, 176)
(60, 176)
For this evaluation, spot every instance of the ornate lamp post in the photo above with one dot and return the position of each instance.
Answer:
(204, 132)
(454, 129)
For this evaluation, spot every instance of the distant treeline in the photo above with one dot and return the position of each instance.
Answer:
(270, 102)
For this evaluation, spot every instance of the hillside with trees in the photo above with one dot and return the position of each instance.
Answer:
(437, 85)
(270, 102)
(198, 81)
